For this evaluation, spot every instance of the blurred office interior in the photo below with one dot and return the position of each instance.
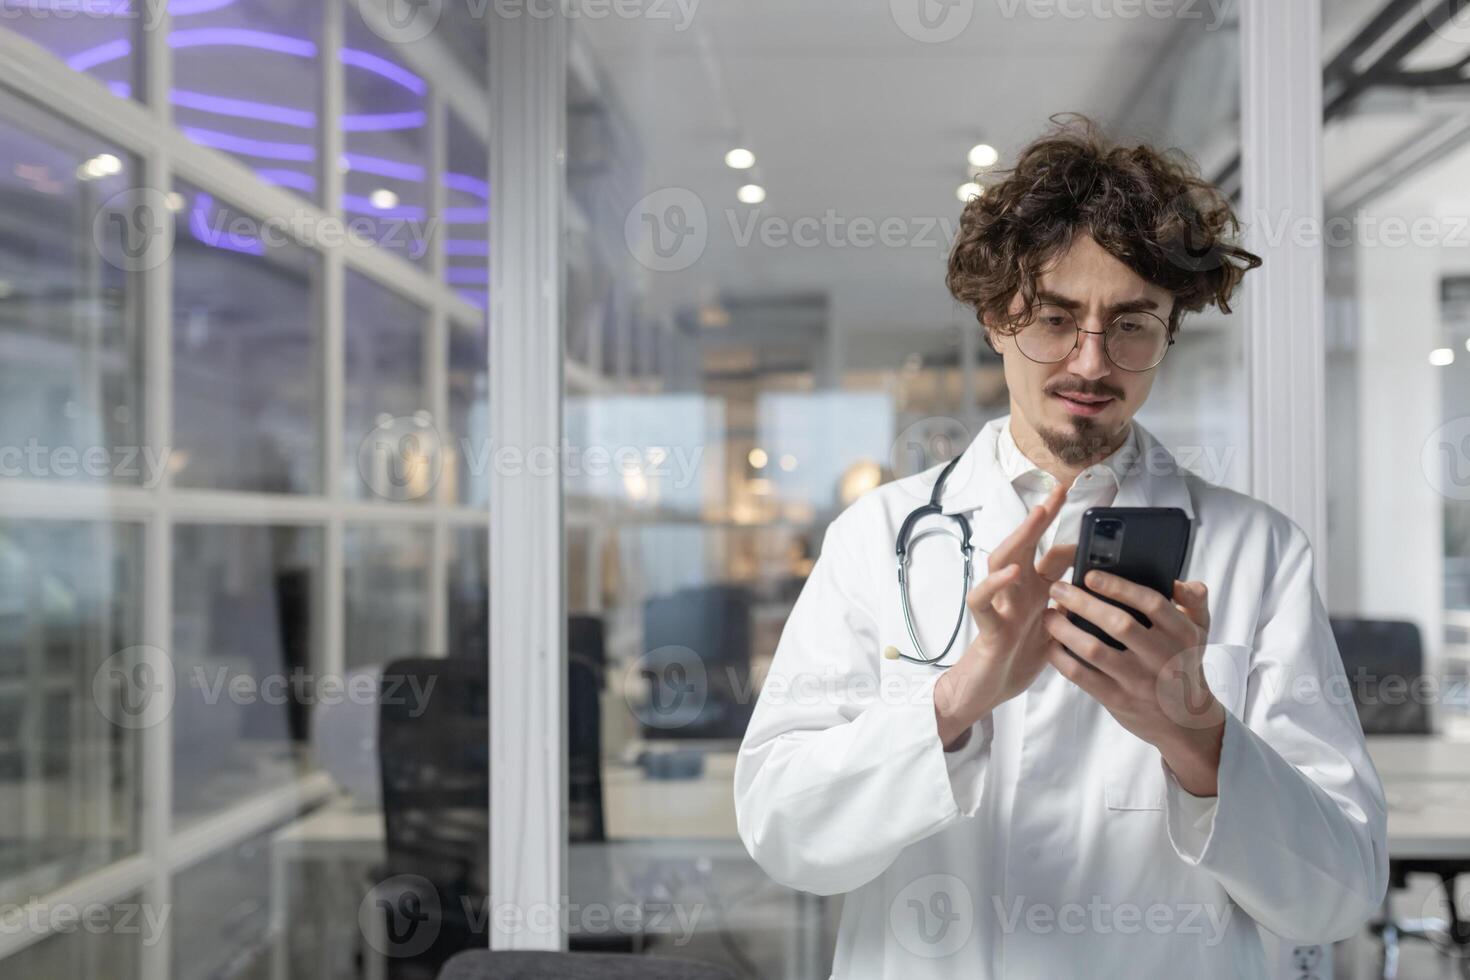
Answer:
(196, 480)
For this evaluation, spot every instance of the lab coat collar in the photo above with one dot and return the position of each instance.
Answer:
(1153, 479)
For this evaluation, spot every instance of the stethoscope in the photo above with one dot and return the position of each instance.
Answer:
(902, 550)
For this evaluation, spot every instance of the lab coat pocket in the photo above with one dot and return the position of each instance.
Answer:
(1135, 782)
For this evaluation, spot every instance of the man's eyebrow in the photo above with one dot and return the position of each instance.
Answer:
(1130, 306)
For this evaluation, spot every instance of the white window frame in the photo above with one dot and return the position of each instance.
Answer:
(144, 129)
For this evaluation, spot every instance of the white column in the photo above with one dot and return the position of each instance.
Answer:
(1281, 187)
(527, 632)
(1281, 173)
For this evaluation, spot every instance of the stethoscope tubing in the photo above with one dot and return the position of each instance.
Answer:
(901, 550)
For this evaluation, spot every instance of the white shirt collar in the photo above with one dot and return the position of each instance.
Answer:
(1017, 467)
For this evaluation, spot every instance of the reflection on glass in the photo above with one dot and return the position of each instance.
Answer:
(469, 593)
(1398, 435)
(646, 452)
(70, 344)
(467, 215)
(97, 38)
(461, 28)
(385, 159)
(222, 907)
(107, 951)
(386, 591)
(245, 636)
(246, 354)
(387, 400)
(247, 81)
(70, 599)
(467, 437)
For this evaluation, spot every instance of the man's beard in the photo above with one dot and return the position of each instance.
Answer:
(1087, 442)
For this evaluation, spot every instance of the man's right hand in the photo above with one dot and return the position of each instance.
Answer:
(1011, 648)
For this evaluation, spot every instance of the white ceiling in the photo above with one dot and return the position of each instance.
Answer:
(847, 113)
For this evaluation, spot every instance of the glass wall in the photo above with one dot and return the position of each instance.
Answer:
(755, 340)
(1398, 397)
(245, 526)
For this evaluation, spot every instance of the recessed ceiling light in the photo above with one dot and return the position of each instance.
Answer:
(983, 155)
(788, 462)
(751, 194)
(1442, 356)
(102, 165)
(739, 159)
(383, 199)
(968, 190)
(1467, 344)
(758, 458)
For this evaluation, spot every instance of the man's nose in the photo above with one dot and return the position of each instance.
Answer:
(1090, 359)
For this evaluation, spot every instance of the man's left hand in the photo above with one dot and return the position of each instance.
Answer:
(1155, 687)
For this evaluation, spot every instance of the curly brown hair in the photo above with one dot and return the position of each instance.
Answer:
(1149, 209)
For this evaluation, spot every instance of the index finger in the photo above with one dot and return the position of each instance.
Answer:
(1021, 543)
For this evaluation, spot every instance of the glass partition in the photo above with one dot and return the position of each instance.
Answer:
(757, 332)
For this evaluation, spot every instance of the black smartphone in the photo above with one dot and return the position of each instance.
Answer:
(1147, 545)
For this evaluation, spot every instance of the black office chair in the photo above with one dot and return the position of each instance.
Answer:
(586, 678)
(434, 760)
(482, 965)
(714, 621)
(1375, 651)
(435, 773)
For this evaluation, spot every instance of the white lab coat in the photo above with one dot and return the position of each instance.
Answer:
(1060, 846)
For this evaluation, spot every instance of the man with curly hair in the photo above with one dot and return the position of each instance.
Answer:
(1044, 804)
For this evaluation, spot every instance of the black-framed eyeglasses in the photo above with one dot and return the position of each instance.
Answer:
(1135, 341)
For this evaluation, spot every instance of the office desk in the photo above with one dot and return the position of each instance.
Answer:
(1426, 779)
(658, 830)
